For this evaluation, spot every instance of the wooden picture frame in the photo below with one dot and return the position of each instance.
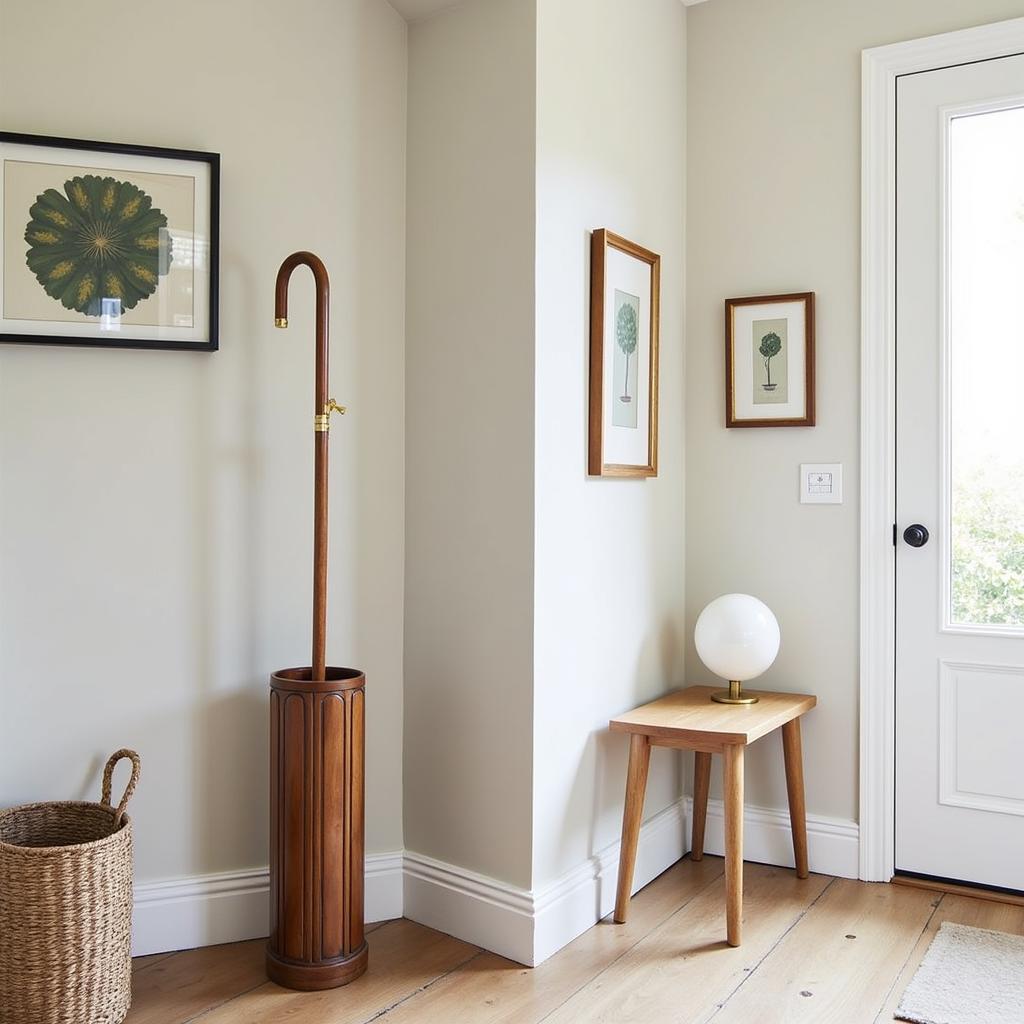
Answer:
(625, 287)
(759, 330)
(107, 244)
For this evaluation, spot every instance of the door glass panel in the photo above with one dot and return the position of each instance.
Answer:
(986, 368)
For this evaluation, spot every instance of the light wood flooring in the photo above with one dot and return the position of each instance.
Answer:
(823, 950)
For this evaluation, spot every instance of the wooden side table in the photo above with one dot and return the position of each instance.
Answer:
(689, 720)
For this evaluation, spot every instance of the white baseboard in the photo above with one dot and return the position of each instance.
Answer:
(383, 896)
(182, 913)
(472, 907)
(579, 899)
(529, 926)
(833, 844)
(523, 925)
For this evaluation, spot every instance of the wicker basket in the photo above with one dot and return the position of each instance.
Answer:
(66, 909)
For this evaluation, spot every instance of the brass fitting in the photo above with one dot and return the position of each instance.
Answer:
(322, 422)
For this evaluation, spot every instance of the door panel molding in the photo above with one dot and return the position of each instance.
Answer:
(881, 67)
(998, 711)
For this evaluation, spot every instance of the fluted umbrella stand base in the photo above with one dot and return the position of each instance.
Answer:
(315, 977)
(317, 739)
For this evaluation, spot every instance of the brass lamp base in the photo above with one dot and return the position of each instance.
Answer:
(734, 695)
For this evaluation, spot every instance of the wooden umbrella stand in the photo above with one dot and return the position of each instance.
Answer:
(317, 754)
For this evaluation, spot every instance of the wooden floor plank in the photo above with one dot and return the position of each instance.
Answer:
(838, 962)
(492, 990)
(978, 913)
(831, 952)
(140, 963)
(183, 985)
(404, 957)
(680, 971)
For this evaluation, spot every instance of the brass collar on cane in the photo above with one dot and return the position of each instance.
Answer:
(322, 422)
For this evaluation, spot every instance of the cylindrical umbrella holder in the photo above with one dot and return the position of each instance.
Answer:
(317, 741)
(317, 757)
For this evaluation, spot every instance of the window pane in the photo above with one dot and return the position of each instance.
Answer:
(986, 263)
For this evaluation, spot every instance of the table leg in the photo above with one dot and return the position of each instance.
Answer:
(701, 780)
(793, 753)
(632, 815)
(732, 758)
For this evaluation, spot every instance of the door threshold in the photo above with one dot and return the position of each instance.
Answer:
(1013, 897)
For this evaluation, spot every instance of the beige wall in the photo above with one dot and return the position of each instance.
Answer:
(609, 617)
(155, 507)
(773, 205)
(469, 438)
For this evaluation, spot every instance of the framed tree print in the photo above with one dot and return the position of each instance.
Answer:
(624, 291)
(107, 244)
(769, 361)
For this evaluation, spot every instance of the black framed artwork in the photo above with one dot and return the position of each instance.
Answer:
(108, 244)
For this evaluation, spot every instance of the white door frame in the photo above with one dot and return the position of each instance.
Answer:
(881, 67)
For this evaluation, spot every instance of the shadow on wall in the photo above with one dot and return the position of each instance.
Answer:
(89, 789)
(230, 776)
(229, 716)
(604, 757)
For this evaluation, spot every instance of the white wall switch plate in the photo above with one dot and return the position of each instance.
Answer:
(821, 483)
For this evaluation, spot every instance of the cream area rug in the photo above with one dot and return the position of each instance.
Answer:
(968, 976)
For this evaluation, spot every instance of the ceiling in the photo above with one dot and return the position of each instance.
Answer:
(412, 10)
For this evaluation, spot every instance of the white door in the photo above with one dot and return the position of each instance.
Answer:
(960, 473)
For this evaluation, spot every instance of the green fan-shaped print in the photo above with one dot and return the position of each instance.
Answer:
(100, 239)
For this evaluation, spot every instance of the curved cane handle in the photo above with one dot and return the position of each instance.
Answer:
(108, 775)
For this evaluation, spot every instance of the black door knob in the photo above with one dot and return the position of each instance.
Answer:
(916, 536)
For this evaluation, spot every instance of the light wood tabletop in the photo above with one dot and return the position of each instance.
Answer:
(690, 714)
(688, 719)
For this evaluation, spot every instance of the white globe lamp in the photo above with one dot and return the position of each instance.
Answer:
(737, 637)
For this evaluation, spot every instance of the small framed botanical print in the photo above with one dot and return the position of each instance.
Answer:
(624, 295)
(769, 361)
(107, 244)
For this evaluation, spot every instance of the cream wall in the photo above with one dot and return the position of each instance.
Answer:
(609, 609)
(469, 438)
(156, 507)
(773, 205)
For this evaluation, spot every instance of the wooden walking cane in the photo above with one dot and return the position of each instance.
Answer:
(317, 753)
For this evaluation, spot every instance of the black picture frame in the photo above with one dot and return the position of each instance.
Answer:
(157, 153)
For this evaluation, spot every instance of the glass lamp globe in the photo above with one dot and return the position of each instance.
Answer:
(737, 637)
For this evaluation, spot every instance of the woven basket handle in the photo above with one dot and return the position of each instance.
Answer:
(108, 775)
